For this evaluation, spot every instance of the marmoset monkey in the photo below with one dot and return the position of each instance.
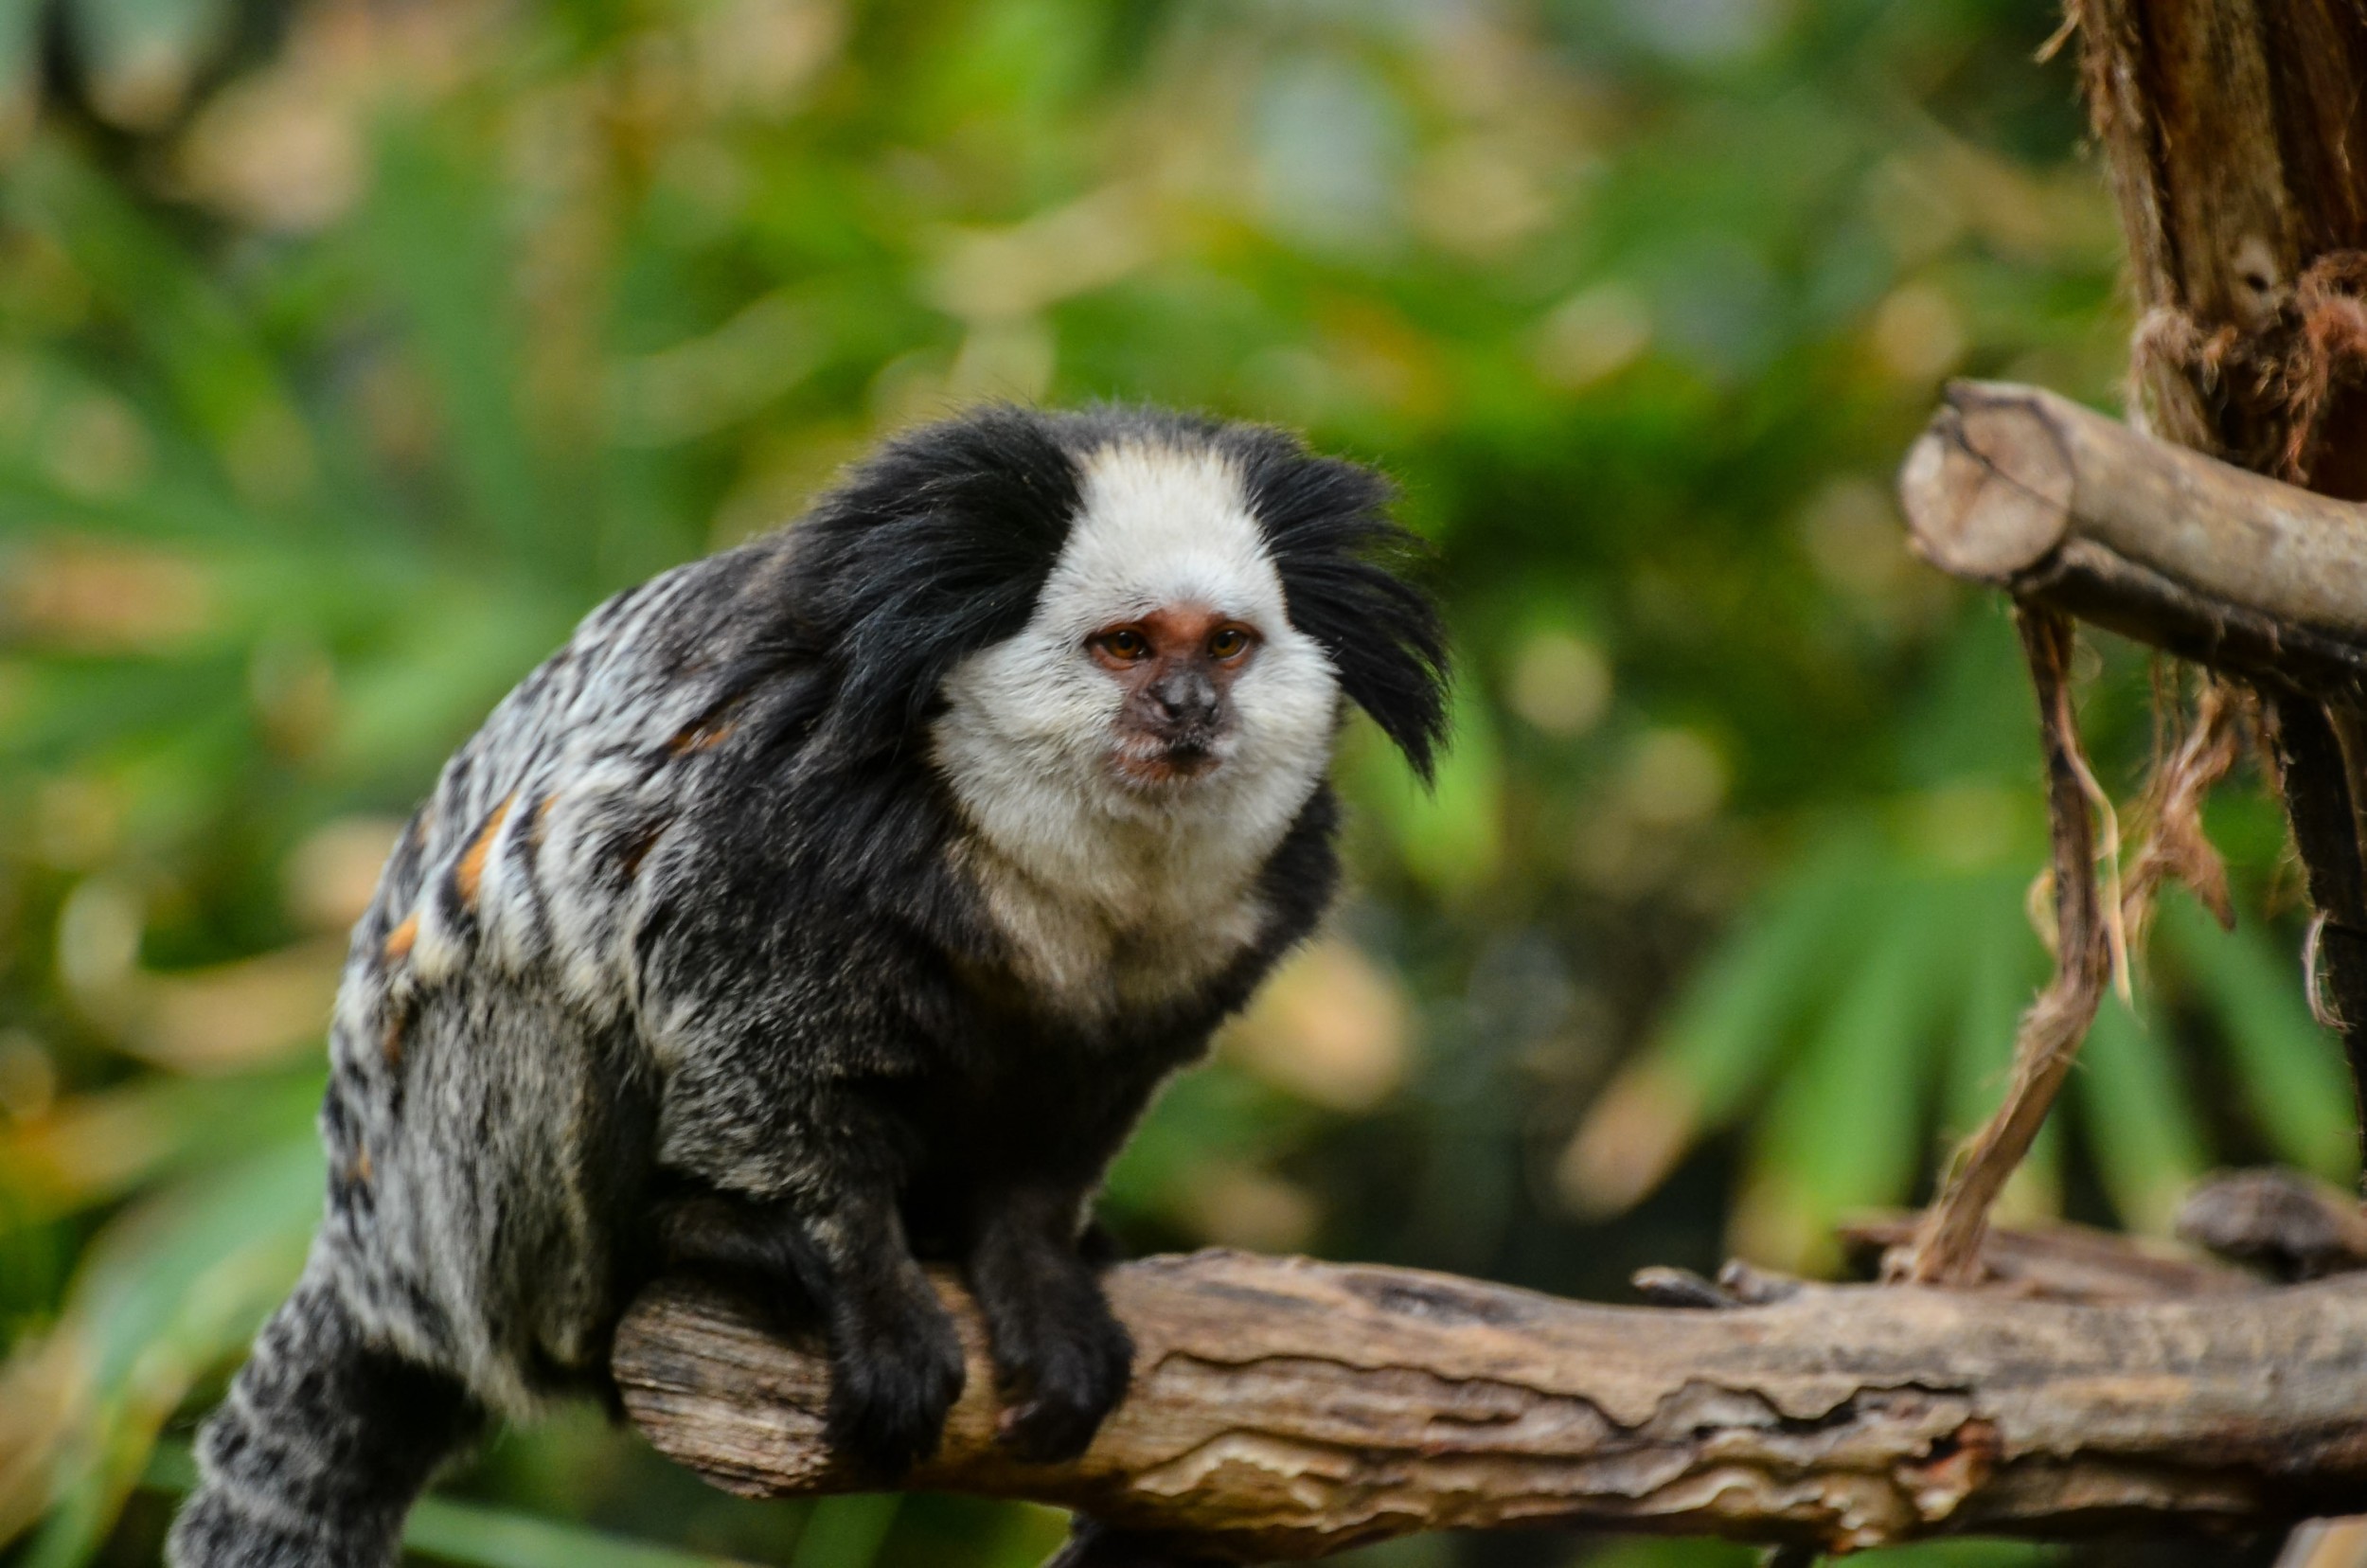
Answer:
(836, 899)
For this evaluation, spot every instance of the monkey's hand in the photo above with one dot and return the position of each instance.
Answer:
(896, 1368)
(1061, 1360)
(895, 1363)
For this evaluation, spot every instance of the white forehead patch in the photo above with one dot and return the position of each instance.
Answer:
(1156, 526)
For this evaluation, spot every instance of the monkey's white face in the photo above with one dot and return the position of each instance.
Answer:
(1159, 685)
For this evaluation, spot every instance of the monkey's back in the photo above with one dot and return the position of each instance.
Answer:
(493, 1105)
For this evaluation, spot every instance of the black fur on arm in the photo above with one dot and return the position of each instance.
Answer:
(830, 1244)
(782, 1136)
(1061, 1359)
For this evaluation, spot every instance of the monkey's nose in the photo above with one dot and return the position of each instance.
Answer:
(1183, 699)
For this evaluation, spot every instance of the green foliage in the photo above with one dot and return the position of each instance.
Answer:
(347, 357)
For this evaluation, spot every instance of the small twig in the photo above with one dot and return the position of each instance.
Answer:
(2062, 1262)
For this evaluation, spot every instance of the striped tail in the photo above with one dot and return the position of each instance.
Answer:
(321, 1447)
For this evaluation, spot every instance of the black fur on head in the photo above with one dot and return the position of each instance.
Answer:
(1348, 573)
(935, 547)
(932, 549)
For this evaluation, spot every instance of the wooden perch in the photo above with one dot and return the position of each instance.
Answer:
(1289, 1409)
(2026, 491)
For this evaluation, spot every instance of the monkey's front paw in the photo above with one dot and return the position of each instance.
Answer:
(891, 1387)
(1065, 1377)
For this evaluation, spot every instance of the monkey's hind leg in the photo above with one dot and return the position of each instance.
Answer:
(322, 1445)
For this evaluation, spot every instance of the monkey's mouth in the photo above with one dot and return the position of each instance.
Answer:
(1150, 761)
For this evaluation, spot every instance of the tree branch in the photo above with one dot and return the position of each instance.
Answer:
(2021, 489)
(1287, 1409)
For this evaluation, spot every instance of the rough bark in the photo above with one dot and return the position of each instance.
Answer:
(1287, 1409)
(2236, 134)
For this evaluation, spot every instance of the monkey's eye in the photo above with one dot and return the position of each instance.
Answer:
(1230, 642)
(1127, 644)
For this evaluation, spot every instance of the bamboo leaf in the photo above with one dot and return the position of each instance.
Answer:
(1737, 1016)
(2288, 1070)
(2134, 1111)
(170, 1289)
(845, 1532)
(437, 249)
(1845, 1126)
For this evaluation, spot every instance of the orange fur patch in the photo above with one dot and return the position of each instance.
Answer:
(471, 871)
(706, 735)
(400, 940)
(638, 849)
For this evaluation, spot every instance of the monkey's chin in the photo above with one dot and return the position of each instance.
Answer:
(1164, 769)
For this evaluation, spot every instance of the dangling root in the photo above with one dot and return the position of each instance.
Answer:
(2094, 933)
(1947, 1249)
(2170, 810)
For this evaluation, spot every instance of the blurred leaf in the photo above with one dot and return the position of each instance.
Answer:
(845, 1532)
(1844, 1129)
(453, 1531)
(1449, 836)
(2134, 1112)
(437, 248)
(96, 1148)
(2289, 1071)
(223, 382)
(1735, 1020)
(143, 55)
(168, 1291)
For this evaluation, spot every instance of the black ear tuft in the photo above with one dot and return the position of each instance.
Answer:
(1348, 574)
(932, 549)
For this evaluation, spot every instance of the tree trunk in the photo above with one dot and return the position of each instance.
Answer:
(2236, 132)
